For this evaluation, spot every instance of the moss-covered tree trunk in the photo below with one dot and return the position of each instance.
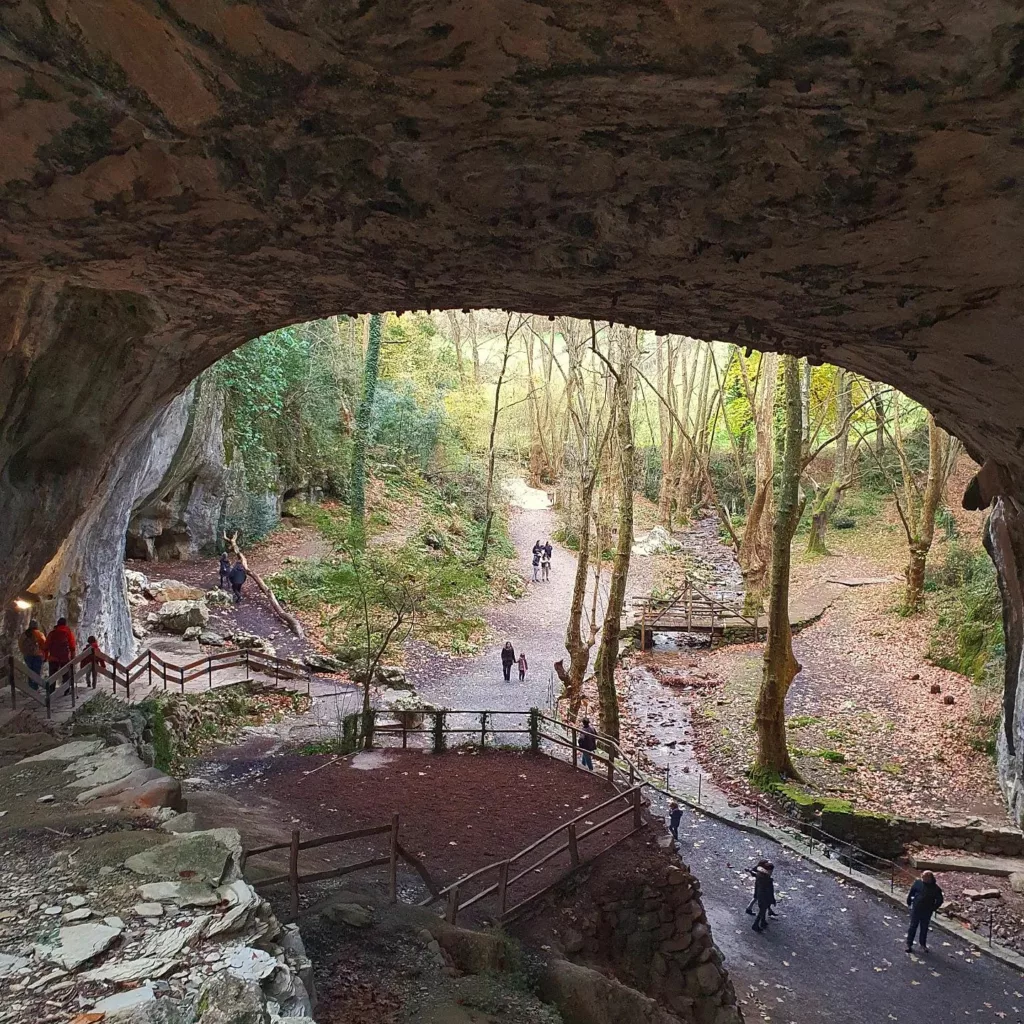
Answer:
(780, 664)
(579, 648)
(923, 529)
(608, 652)
(361, 434)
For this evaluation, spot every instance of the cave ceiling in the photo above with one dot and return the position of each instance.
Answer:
(840, 180)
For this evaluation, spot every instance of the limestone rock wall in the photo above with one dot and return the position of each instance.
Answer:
(84, 581)
(181, 515)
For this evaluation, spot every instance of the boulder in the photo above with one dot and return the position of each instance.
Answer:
(133, 780)
(210, 639)
(121, 1001)
(173, 590)
(177, 616)
(217, 597)
(658, 541)
(135, 582)
(72, 751)
(982, 894)
(226, 999)
(181, 823)
(194, 856)
(192, 633)
(351, 914)
(1017, 881)
(323, 663)
(108, 765)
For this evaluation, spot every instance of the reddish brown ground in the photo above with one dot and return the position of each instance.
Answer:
(459, 811)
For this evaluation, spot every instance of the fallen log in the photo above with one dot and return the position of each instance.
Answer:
(286, 617)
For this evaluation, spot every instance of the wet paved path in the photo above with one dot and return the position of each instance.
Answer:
(835, 953)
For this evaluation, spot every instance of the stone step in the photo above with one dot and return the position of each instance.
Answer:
(1002, 867)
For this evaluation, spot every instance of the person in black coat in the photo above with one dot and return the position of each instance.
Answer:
(588, 744)
(924, 898)
(225, 570)
(508, 659)
(763, 863)
(764, 893)
(237, 576)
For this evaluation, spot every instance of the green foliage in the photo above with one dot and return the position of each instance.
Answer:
(802, 721)
(968, 634)
(286, 398)
(361, 436)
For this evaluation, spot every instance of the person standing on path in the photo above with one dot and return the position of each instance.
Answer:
(674, 817)
(924, 898)
(536, 561)
(523, 666)
(32, 644)
(60, 649)
(588, 744)
(238, 576)
(764, 893)
(508, 659)
(225, 570)
(545, 565)
(767, 864)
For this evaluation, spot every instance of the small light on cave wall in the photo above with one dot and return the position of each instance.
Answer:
(23, 605)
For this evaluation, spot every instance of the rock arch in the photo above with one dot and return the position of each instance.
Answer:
(845, 182)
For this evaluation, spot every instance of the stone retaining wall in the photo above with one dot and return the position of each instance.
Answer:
(649, 925)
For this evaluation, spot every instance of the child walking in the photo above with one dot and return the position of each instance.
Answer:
(523, 666)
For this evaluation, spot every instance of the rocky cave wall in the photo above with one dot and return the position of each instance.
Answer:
(845, 182)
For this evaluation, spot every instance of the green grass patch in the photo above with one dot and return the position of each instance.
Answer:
(802, 721)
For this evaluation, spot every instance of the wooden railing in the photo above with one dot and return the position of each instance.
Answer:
(503, 869)
(697, 610)
(294, 879)
(86, 669)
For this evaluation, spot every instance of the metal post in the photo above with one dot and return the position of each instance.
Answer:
(74, 672)
(209, 672)
(149, 667)
(699, 778)
(246, 654)
(483, 729)
(182, 683)
(113, 684)
(757, 807)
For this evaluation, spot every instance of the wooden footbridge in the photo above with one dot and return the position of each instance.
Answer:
(692, 609)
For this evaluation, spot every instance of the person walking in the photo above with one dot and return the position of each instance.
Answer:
(508, 659)
(545, 565)
(32, 645)
(60, 649)
(95, 656)
(674, 817)
(588, 744)
(536, 561)
(523, 666)
(225, 570)
(769, 866)
(237, 576)
(764, 894)
(924, 898)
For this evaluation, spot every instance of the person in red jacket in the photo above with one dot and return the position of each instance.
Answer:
(60, 646)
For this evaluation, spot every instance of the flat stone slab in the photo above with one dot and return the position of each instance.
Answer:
(1002, 867)
(125, 1000)
(81, 942)
(132, 780)
(68, 751)
(105, 768)
(184, 894)
(194, 856)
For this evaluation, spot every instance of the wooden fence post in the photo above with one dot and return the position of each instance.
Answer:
(453, 904)
(483, 729)
(574, 850)
(575, 751)
(113, 685)
(393, 866)
(611, 763)
(534, 730)
(293, 873)
(502, 886)
(637, 812)
(149, 667)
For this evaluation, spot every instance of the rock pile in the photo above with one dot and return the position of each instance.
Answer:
(165, 928)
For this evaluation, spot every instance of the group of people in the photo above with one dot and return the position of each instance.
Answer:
(57, 648)
(924, 898)
(235, 574)
(542, 561)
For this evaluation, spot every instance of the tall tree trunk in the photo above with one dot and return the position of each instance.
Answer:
(663, 351)
(456, 328)
(579, 648)
(474, 345)
(491, 448)
(921, 543)
(780, 664)
(756, 547)
(608, 653)
(361, 434)
(827, 501)
(879, 408)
